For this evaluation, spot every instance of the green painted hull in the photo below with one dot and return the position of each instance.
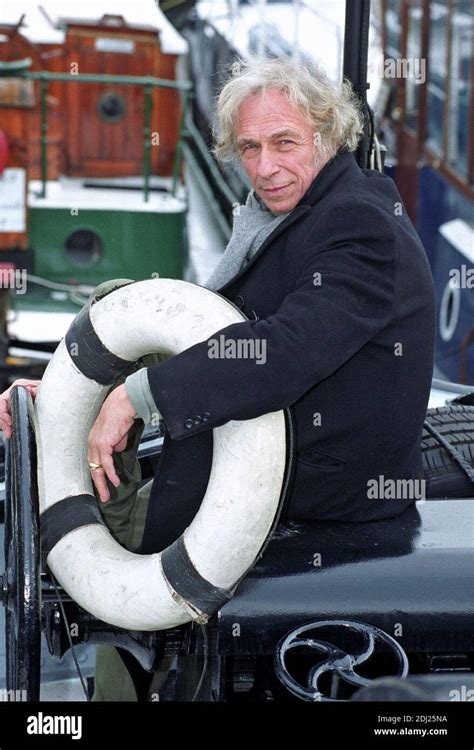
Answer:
(135, 244)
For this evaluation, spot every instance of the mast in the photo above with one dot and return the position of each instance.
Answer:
(356, 47)
(262, 4)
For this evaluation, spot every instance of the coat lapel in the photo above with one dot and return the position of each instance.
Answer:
(296, 214)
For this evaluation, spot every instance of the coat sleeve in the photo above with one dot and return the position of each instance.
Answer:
(343, 297)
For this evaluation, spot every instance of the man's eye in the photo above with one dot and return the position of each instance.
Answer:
(285, 142)
(249, 146)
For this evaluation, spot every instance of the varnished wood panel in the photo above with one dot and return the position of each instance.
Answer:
(98, 148)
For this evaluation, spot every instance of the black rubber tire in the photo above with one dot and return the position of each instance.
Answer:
(444, 477)
(22, 558)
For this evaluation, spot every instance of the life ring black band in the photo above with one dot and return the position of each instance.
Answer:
(89, 354)
(65, 516)
(183, 578)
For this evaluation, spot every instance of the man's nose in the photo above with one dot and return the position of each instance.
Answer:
(267, 164)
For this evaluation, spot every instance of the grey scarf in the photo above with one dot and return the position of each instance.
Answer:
(253, 223)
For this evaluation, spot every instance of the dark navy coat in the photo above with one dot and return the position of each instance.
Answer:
(342, 294)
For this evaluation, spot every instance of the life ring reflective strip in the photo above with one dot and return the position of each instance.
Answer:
(193, 577)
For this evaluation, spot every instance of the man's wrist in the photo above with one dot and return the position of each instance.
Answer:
(140, 396)
(125, 402)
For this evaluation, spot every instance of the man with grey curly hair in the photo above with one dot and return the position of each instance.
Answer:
(327, 267)
(338, 294)
(332, 111)
(339, 300)
(339, 331)
(304, 121)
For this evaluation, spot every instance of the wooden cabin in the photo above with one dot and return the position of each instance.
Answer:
(94, 129)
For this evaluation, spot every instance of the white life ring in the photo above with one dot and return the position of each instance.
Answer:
(193, 577)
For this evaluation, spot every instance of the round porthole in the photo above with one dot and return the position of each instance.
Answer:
(83, 247)
(111, 107)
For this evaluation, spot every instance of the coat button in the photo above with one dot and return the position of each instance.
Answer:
(197, 419)
(189, 423)
(206, 416)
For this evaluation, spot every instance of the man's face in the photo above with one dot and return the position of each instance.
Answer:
(276, 146)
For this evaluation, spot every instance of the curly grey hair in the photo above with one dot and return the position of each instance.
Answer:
(333, 111)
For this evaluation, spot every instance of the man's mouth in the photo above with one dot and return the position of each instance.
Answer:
(274, 190)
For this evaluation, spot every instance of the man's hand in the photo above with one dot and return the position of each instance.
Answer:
(6, 424)
(109, 434)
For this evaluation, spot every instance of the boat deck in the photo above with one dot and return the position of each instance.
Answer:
(114, 194)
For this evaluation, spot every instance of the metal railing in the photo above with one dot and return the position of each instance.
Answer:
(198, 156)
(148, 83)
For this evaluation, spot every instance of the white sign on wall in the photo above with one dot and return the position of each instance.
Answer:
(122, 46)
(12, 201)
